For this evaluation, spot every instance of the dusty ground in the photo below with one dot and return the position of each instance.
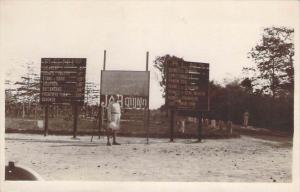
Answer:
(244, 159)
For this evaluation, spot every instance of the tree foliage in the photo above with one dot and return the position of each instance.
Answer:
(273, 57)
(91, 93)
(159, 64)
(230, 101)
(28, 88)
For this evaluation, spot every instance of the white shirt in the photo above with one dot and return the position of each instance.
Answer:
(113, 108)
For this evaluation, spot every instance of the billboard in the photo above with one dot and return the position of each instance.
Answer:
(187, 85)
(132, 88)
(62, 81)
(133, 83)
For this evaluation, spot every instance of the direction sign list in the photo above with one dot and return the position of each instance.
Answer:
(187, 85)
(62, 80)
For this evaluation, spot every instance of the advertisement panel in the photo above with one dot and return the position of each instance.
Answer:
(131, 83)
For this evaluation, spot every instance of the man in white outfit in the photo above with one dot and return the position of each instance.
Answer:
(114, 118)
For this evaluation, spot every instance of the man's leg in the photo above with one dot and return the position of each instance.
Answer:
(114, 138)
(108, 133)
(118, 118)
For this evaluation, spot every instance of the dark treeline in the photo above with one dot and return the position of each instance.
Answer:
(36, 111)
(229, 102)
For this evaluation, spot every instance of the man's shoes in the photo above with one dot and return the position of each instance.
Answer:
(115, 143)
(108, 144)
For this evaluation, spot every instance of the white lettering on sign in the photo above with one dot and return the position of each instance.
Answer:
(127, 102)
(63, 80)
(135, 102)
(55, 89)
(48, 99)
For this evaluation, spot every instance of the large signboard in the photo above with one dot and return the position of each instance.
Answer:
(131, 87)
(131, 83)
(187, 85)
(62, 81)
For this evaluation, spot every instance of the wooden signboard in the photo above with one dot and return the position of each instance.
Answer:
(187, 90)
(131, 88)
(131, 83)
(187, 86)
(62, 81)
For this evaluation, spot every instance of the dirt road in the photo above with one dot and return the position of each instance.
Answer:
(244, 159)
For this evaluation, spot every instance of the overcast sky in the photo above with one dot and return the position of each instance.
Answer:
(218, 32)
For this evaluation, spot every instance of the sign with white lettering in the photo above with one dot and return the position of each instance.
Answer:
(62, 80)
(125, 101)
(187, 85)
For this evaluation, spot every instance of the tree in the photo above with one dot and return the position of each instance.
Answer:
(228, 102)
(160, 63)
(274, 70)
(273, 57)
(10, 99)
(28, 88)
(91, 98)
(91, 93)
(9, 93)
(247, 85)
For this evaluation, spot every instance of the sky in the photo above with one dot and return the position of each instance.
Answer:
(220, 33)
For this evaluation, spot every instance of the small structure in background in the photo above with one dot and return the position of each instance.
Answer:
(40, 124)
(206, 122)
(246, 119)
(229, 127)
(181, 124)
(213, 124)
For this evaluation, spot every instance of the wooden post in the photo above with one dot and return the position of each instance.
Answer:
(148, 110)
(147, 61)
(23, 110)
(75, 119)
(35, 111)
(148, 120)
(172, 125)
(104, 60)
(199, 127)
(46, 120)
(100, 120)
(145, 123)
(101, 109)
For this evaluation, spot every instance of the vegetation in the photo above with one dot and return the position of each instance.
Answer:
(267, 90)
(159, 64)
(273, 58)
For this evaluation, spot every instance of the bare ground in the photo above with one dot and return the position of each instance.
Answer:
(244, 159)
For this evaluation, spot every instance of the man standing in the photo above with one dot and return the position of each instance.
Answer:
(114, 118)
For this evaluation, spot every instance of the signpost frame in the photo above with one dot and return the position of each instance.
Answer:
(62, 82)
(186, 74)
